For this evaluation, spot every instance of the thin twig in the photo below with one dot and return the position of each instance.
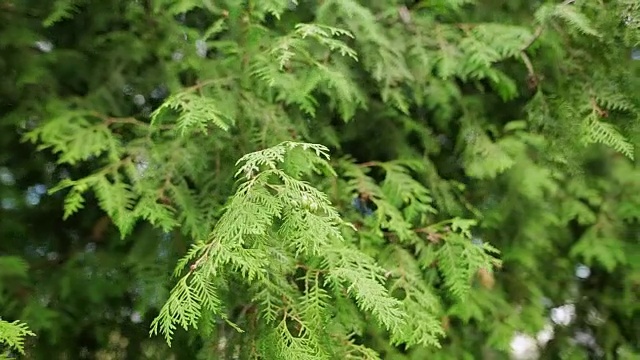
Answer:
(597, 109)
(538, 32)
(534, 81)
(533, 78)
(527, 63)
(536, 35)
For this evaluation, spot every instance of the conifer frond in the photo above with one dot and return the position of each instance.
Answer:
(196, 113)
(117, 200)
(575, 19)
(597, 246)
(159, 215)
(459, 259)
(604, 133)
(271, 157)
(308, 226)
(323, 34)
(62, 9)
(74, 201)
(611, 99)
(292, 346)
(192, 214)
(364, 278)
(404, 189)
(484, 158)
(387, 199)
(274, 7)
(215, 28)
(275, 292)
(292, 52)
(184, 306)
(75, 138)
(568, 13)
(506, 40)
(350, 97)
(283, 51)
(419, 301)
(12, 334)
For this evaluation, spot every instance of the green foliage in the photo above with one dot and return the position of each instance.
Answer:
(63, 9)
(201, 110)
(12, 335)
(308, 233)
(481, 152)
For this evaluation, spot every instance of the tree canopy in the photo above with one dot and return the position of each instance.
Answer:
(334, 179)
